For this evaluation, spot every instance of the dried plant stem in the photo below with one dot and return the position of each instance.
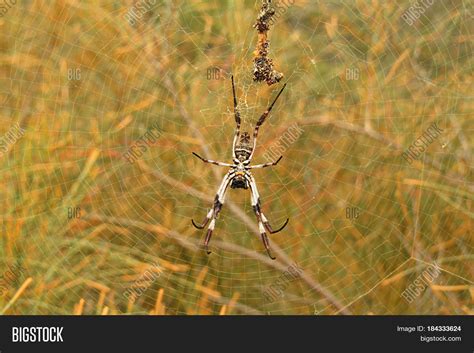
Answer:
(262, 65)
(17, 295)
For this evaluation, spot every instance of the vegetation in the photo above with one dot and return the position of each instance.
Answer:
(87, 226)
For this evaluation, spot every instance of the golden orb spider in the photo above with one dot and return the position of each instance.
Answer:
(239, 177)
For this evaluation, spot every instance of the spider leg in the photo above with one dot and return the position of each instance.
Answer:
(216, 208)
(260, 217)
(210, 214)
(257, 166)
(218, 203)
(237, 120)
(269, 227)
(262, 120)
(205, 221)
(222, 164)
(265, 221)
(208, 236)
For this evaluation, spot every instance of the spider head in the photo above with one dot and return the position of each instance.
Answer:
(244, 139)
(242, 157)
(243, 147)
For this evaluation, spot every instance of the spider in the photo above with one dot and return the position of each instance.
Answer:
(239, 177)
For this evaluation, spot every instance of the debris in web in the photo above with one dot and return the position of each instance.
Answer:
(262, 65)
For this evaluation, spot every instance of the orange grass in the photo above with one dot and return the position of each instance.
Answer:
(133, 216)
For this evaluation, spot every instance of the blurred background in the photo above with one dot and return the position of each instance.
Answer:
(86, 231)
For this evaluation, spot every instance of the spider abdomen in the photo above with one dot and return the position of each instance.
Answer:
(239, 182)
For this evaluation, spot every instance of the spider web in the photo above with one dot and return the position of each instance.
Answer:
(363, 85)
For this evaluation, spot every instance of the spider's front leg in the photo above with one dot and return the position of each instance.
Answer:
(237, 120)
(263, 223)
(215, 209)
(262, 119)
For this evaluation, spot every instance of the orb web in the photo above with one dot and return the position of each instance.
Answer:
(90, 86)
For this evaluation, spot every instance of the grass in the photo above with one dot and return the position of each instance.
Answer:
(355, 129)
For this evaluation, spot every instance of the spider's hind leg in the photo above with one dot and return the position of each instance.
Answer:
(214, 211)
(267, 225)
(208, 236)
(261, 219)
(205, 221)
(218, 203)
(265, 240)
(258, 210)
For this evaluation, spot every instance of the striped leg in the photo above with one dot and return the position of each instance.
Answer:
(266, 164)
(237, 120)
(261, 228)
(210, 214)
(205, 221)
(263, 223)
(222, 164)
(216, 208)
(264, 219)
(262, 120)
